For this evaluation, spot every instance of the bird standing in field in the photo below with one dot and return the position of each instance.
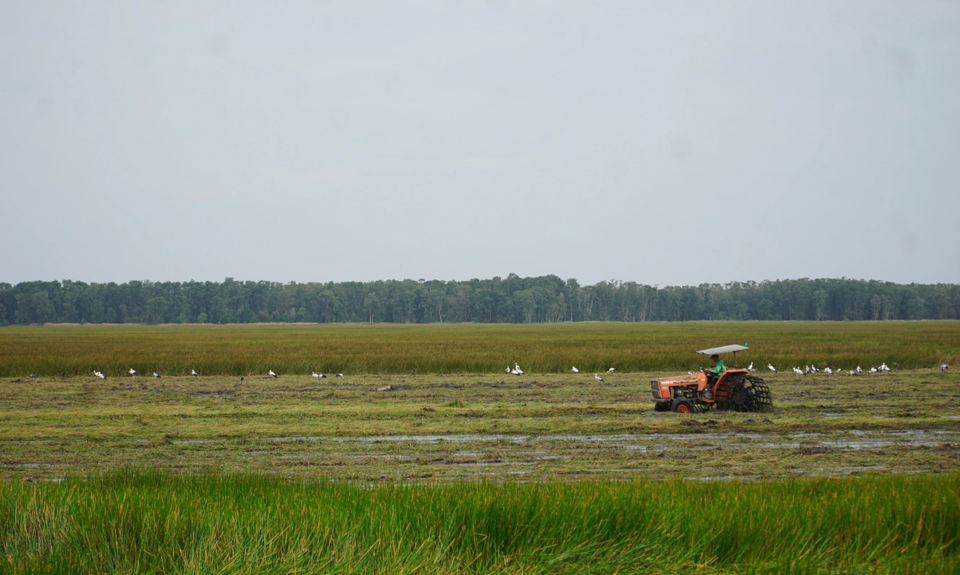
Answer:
(99, 374)
(319, 375)
(271, 374)
(156, 375)
(132, 371)
(827, 370)
(340, 375)
(194, 373)
(771, 368)
(575, 370)
(611, 370)
(944, 367)
(598, 378)
(750, 368)
(859, 371)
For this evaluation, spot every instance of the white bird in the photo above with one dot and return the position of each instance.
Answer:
(99, 374)
(507, 370)
(132, 371)
(859, 371)
(806, 369)
(851, 372)
(340, 375)
(517, 370)
(319, 375)
(883, 367)
(156, 375)
(575, 370)
(798, 371)
(944, 367)
(611, 370)
(598, 378)
(771, 368)
(271, 374)
(828, 371)
(750, 367)
(194, 373)
(873, 370)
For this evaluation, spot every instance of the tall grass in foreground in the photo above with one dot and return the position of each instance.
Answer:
(133, 522)
(464, 348)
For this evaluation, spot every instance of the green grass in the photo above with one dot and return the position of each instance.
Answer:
(446, 349)
(148, 522)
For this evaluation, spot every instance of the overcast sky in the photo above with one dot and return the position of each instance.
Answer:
(668, 143)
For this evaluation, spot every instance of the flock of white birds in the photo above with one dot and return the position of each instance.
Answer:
(194, 373)
(809, 369)
(515, 370)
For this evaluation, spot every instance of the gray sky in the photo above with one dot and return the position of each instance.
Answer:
(667, 143)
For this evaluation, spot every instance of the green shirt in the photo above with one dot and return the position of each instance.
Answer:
(720, 368)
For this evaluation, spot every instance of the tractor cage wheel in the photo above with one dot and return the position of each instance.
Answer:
(744, 393)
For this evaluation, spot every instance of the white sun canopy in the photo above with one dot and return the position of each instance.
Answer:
(724, 349)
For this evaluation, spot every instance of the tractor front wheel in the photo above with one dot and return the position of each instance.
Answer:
(682, 406)
(661, 406)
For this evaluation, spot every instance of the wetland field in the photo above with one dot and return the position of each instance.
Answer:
(413, 462)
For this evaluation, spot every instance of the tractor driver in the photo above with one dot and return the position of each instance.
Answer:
(715, 370)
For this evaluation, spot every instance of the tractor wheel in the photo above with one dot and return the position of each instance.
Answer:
(682, 406)
(661, 406)
(747, 393)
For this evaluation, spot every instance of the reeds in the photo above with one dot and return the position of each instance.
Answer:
(464, 348)
(149, 522)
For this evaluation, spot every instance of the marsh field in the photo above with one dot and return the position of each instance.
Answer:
(427, 457)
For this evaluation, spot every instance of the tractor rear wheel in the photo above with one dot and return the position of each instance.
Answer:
(746, 393)
(682, 406)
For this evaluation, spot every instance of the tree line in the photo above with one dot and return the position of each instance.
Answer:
(512, 299)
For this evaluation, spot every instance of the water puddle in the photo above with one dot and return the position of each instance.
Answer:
(856, 439)
(516, 439)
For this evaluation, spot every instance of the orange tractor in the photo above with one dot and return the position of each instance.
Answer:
(736, 389)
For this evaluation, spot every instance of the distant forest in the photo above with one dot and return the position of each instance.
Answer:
(499, 300)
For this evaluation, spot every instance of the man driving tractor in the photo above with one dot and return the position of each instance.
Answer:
(733, 389)
(716, 369)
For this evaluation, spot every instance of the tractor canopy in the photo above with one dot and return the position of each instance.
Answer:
(725, 349)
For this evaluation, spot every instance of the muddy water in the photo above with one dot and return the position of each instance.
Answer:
(848, 439)
(703, 455)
